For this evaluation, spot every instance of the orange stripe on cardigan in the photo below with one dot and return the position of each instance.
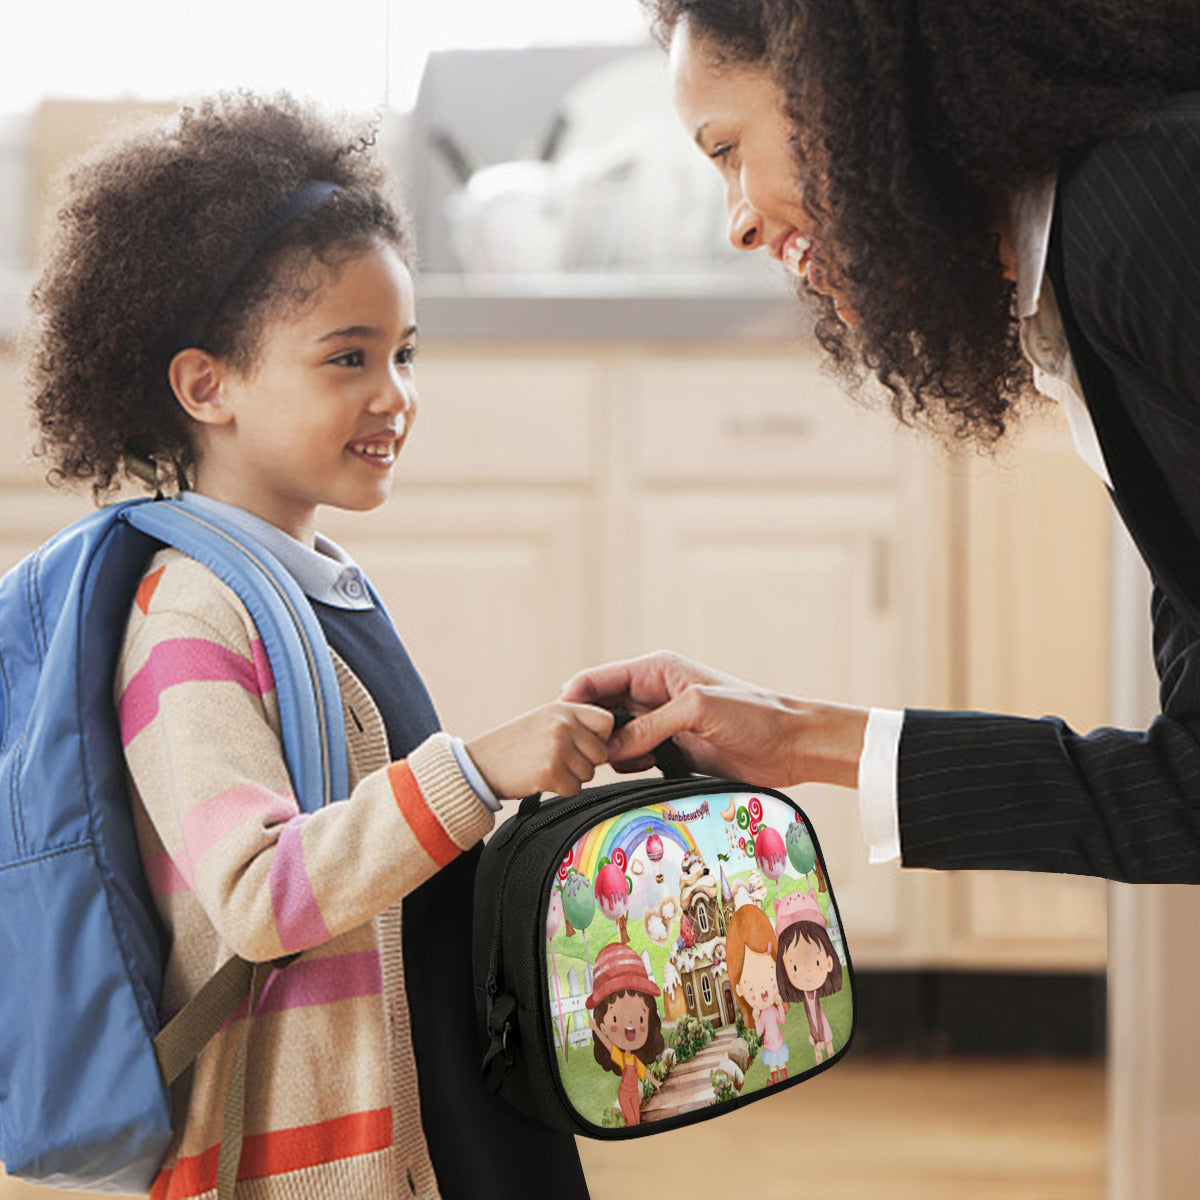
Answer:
(414, 808)
(146, 589)
(280, 1152)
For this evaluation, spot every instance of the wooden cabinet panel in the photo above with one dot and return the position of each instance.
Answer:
(792, 591)
(496, 419)
(723, 421)
(492, 594)
(1037, 569)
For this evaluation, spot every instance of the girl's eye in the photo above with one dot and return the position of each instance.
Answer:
(405, 355)
(721, 154)
(350, 358)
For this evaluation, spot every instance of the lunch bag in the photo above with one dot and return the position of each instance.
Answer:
(654, 952)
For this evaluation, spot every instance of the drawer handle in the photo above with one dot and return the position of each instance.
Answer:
(768, 425)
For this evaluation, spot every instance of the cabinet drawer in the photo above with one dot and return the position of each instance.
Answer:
(496, 419)
(750, 421)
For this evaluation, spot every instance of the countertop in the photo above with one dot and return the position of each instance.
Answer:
(707, 308)
(740, 307)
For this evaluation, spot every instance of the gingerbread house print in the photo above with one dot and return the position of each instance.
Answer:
(700, 968)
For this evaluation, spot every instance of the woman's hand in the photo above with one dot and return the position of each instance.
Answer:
(723, 725)
(555, 748)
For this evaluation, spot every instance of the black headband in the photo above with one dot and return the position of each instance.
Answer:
(307, 196)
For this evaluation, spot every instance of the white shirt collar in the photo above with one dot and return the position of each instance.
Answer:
(324, 572)
(1043, 338)
(1031, 214)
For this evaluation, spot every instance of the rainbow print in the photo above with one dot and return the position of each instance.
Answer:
(624, 833)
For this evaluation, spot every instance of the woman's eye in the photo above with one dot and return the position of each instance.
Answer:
(721, 154)
(405, 355)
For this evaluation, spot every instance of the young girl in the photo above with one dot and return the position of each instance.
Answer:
(809, 968)
(229, 308)
(626, 1028)
(751, 951)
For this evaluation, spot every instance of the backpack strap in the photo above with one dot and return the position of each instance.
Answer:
(310, 704)
(314, 747)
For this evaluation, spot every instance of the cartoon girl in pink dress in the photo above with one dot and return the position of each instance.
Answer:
(808, 966)
(626, 1028)
(751, 949)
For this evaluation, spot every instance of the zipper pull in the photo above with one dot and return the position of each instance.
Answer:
(529, 806)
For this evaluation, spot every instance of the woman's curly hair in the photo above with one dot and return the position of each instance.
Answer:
(147, 225)
(914, 121)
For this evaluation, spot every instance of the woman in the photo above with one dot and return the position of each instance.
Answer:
(983, 199)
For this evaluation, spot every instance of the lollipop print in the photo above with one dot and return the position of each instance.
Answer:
(554, 922)
(770, 855)
(800, 849)
(579, 907)
(612, 894)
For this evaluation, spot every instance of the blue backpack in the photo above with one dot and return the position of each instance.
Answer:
(83, 1086)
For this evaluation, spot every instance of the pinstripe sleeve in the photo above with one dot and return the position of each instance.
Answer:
(985, 792)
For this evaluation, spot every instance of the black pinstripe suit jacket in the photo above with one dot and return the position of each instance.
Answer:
(984, 791)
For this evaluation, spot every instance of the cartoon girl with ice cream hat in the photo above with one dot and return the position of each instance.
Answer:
(626, 1028)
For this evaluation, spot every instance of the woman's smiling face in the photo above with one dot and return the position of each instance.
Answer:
(735, 113)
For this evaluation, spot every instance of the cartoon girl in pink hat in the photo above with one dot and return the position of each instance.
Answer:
(626, 1028)
(808, 967)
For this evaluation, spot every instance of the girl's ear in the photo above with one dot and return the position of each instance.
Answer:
(196, 378)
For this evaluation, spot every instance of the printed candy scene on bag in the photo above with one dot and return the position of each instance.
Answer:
(693, 954)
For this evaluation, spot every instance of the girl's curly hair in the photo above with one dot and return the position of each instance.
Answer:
(914, 122)
(147, 225)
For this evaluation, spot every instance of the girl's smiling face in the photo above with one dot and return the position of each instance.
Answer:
(321, 415)
(625, 1021)
(807, 964)
(758, 985)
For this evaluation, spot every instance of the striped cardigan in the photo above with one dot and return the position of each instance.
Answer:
(332, 1107)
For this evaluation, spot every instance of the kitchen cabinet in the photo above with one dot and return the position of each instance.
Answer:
(558, 507)
(1034, 547)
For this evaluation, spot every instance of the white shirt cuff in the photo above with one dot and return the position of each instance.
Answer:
(878, 806)
(474, 778)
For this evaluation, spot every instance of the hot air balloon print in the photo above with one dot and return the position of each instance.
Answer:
(654, 852)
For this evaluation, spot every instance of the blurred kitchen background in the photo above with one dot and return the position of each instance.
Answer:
(627, 441)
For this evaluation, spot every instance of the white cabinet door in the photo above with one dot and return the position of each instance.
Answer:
(795, 592)
(491, 591)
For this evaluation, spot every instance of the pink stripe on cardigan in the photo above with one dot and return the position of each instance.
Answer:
(298, 919)
(188, 660)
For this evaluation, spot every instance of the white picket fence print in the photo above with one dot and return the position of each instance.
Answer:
(572, 1004)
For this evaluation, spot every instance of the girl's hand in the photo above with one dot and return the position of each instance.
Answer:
(555, 748)
(723, 725)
